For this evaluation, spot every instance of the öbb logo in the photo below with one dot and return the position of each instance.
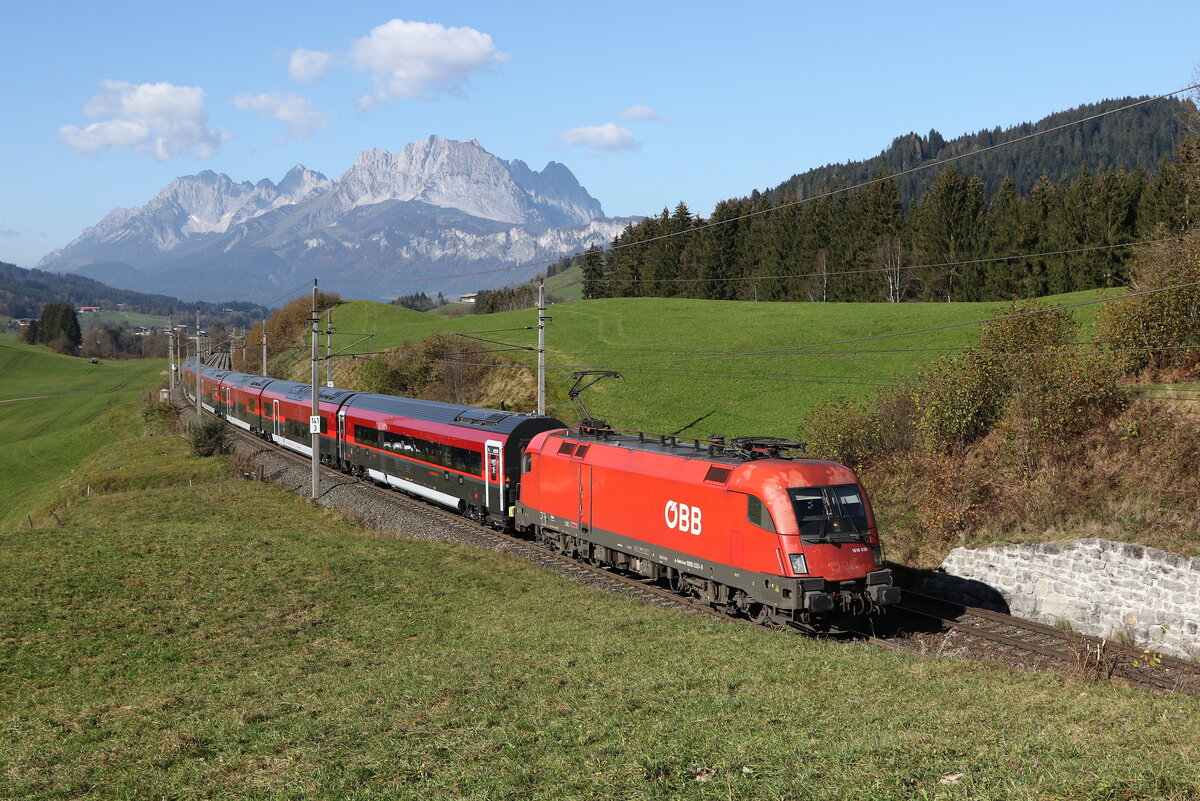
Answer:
(687, 519)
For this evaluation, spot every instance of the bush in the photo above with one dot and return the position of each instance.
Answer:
(1152, 332)
(842, 431)
(159, 417)
(957, 403)
(209, 437)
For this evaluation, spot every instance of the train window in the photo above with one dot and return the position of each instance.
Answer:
(464, 460)
(467, 461)
(567, 448)
(583, 449)
(830, 514)
(758, 514)
(718, 474)
(527, 462)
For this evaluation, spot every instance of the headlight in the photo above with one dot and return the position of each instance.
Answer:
(799, 566)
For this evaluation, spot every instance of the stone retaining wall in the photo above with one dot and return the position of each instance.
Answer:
(1106, 589)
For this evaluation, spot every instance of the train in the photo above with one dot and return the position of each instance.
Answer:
(742, 525)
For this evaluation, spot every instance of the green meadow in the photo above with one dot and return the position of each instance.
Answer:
(54, 411)
(797, 354)
(127, 319)
(181, 633)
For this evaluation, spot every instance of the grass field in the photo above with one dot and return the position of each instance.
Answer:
(660, 347)
(163, 645)
(54, 411)
(566, 286)
(127, 319)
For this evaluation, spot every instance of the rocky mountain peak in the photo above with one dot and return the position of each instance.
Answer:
(438, 204)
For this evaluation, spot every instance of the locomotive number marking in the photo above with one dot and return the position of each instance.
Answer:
(688, 519)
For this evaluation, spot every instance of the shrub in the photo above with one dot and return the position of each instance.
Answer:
(842, 431)
(1153, 331)
(159, 417)
(957, 403)
(209, 437)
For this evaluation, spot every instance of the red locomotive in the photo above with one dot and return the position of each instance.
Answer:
(780, 540)
(739, 525)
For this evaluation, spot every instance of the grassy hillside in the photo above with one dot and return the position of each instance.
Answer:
(657, 343)
(54, 411)
(127, 319)
(566, 286)
(160, 645)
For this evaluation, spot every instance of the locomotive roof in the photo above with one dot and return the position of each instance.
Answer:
(679, 447)
(497, 420)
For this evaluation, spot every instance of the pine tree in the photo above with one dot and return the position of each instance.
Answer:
(594, 285)
(948, 229)
(1007, 235)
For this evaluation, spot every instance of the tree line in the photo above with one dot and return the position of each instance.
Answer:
(954, 243)
(57, 328)
(1138, 136)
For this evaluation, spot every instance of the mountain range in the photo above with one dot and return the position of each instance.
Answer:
(437, 208)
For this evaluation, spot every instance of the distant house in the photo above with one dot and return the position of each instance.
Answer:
(85, 309)
(469, 297)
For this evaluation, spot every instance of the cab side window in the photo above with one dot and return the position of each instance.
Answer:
(758, 514)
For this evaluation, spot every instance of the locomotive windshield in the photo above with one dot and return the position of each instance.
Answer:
(830, 514)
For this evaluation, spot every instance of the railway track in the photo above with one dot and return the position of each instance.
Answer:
(921, 624)
(1034, 645)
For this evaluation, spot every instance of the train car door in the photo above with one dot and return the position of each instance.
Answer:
(341, 436)
(225, 407)
(278, 426)
(493, 472)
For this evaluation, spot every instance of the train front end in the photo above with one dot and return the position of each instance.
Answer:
(828, 544)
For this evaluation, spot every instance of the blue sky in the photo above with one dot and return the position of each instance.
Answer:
(648, 104)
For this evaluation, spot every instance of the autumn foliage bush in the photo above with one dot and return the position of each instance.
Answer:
(449, 368)
(946, 449)
(285, 328)
(1158, 334)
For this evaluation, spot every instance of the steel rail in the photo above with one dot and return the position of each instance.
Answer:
(1137, 666)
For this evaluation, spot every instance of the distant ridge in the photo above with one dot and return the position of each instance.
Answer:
(23, 292)
(1139, 137)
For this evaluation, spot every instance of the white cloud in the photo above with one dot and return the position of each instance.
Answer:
(309, 65)
(642, 114)
(300, 115)
(155, 119)
(608, 137)
(420, 59)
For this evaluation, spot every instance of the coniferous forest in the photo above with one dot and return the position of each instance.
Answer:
(983, 228)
